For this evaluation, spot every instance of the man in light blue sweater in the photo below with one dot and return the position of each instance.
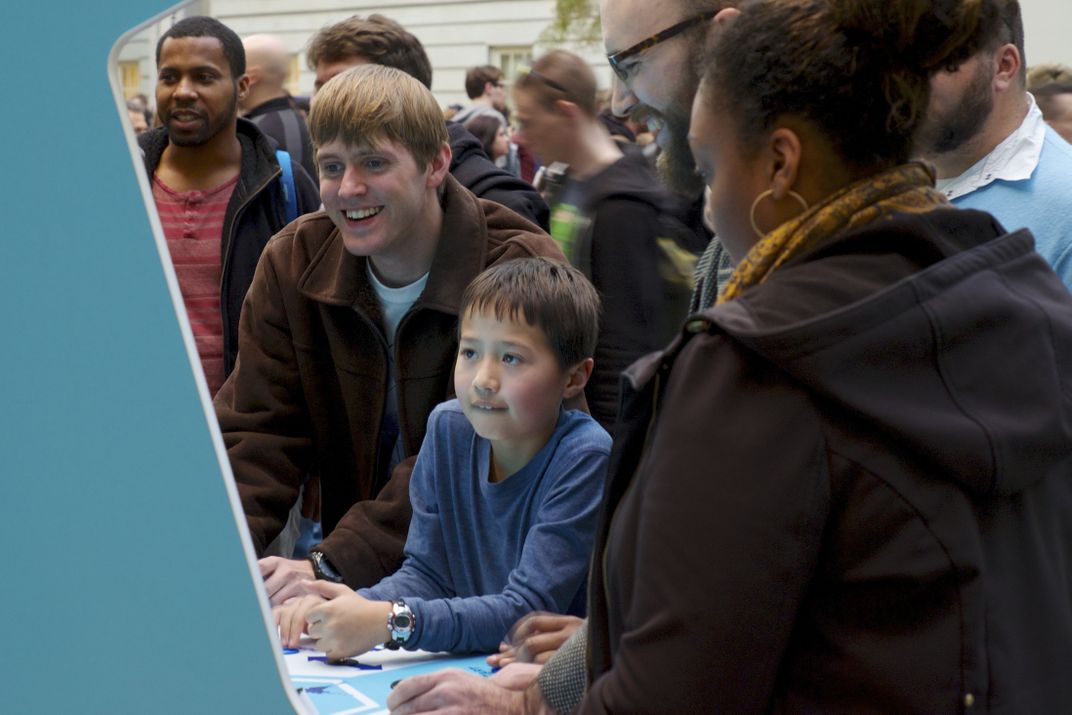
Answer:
(993, 149)
(506, 486)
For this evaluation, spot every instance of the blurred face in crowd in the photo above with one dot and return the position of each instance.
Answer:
(196, 96)
(502, 144)
(659, 82)
(540, 124)
(325, 70)
(1059, 114)
(497, 94)
(137, 120)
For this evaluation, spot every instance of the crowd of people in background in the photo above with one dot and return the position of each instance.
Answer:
(775, 335)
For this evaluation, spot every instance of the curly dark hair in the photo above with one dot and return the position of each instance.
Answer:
(857, 70)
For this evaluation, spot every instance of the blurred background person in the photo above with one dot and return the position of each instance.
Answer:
(487, 94)
(607, 208)
(1049, 73)
(492, 136)
(1055, 102)
(268, 104)
(137, 116)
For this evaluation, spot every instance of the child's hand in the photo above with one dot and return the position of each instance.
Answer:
(534, 639)
(343, 623)
(290, 617)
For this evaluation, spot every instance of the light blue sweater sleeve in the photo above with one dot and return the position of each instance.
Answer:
(479, 555)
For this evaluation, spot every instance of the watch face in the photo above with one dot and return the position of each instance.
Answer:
(402, 621)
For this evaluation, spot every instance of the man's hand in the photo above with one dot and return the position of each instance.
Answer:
(456, 692)
(343, 623)
(283, 577)
(516, 676)
(535, 638)
(291, 618)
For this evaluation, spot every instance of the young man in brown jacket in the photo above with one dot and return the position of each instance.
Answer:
(349, 332)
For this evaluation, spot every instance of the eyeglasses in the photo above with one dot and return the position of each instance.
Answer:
(617, 58)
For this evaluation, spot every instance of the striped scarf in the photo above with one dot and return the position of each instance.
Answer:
(908, 188)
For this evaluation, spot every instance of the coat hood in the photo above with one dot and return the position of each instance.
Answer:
(951, 340)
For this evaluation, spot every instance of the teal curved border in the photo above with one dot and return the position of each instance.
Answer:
(130, 583)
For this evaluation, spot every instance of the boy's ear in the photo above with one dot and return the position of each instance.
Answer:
(577, 377)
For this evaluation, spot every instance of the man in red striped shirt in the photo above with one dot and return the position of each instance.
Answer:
(215, 183)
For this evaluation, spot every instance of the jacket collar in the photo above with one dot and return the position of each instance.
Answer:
(258, 154)
(336, 277)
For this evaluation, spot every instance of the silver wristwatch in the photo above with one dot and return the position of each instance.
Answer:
(400, 624)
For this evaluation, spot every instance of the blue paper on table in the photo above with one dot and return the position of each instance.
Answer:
(368, 693)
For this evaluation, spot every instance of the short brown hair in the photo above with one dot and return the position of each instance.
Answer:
(561, 75)
(477, 77)
(368, 102)
(378, 39)
(550, 295)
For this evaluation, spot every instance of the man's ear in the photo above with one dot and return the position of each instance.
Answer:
(243, 87)
(1007, 71)
(567, 108)
(439, 166)
(726, 14)
(783, 151)
(577, 377)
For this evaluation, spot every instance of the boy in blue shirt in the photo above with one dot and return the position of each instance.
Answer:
(506, 487)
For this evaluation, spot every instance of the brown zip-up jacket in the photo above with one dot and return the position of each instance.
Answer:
(308, 392)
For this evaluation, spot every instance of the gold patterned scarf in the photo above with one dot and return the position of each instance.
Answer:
(908, 188)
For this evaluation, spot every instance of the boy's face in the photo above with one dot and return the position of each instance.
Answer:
(510, 385)
(380, 200)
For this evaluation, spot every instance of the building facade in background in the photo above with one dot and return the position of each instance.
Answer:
(456, 35)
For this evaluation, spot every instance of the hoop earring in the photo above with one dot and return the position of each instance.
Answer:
(765, 194)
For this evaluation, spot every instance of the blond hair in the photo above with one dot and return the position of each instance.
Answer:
(368, 103)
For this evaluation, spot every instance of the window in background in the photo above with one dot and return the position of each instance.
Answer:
(130, 78)
(509, 59)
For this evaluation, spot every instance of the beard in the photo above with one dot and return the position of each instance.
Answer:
(943, 132)
(676, 165)
(208, 130)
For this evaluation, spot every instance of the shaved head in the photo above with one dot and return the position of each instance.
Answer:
(267, 66)
(270, 55)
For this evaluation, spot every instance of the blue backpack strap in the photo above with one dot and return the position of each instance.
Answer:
(286, 183)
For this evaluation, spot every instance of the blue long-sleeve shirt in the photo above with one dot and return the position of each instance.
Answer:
(480, 555)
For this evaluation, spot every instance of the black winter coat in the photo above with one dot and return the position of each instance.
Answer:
(849, 490)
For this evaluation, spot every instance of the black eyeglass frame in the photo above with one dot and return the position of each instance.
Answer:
(615, 59)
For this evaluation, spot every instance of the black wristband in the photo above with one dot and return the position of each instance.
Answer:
(322, 568)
